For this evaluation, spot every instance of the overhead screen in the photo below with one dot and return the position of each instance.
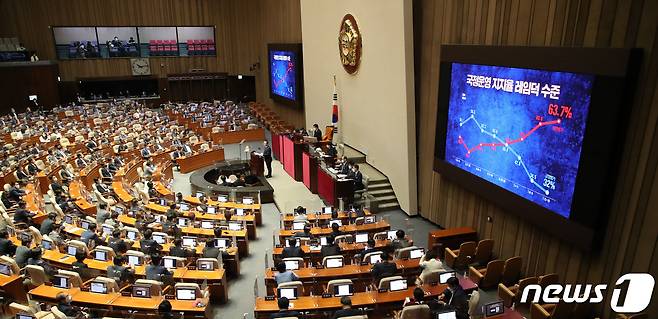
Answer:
(285, 73)
(536, 130)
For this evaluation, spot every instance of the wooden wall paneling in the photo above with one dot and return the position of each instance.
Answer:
(631, 236)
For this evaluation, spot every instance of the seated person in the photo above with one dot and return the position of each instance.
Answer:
(118, 271)
(48, 224)
(148, 245)
(370, 248)
(454, 298)
(117, 243)
(330, 249)
(293, 250)
(177, 250)
(64, 305)
(385, 268)
(155, 271)
(335, 230)
(346, 309)
(23, 252)
(283, 304)
(305, 233)
(419, 299)
(22, 215)
(400, 241)
(165, 310)
(210, 251)
(428, 263)
(79, 263)
(284, 275)
(90, 235)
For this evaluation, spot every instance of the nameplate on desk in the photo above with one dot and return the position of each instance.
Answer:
(278, 246)
(170, 297)
(191, 267)
(405, 258)
(125, 293)
(364, 263)
(273, 268)
(319, 267)
(84, 289)
(326, 295)
(436, 283)
(269, 298)
(382, 290)
(48, 283)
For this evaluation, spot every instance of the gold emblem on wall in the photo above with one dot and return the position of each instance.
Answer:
(349, 44)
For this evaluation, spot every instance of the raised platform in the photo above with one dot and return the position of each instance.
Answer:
(200, 181)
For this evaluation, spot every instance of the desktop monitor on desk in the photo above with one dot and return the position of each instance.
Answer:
(370, 219)
(211, 210)
(247, 200)
(185, 293)
(444, 276)
(397, 285)
(207, 224)
(134, 260)
(189, 241)
(375, 258)
(98, 287)
(206, 265)
(5, 269)
(447, 315)
(84, 224)
(71, 250)
(297, 242)
(199, 194)
(159, 239)
(132, 235)
(239, 211)
(100, 255)
(46, 244)
(222, 198)
(183, 222)
(141, 291)
(107, 230)
(184, 207)
(323, 241)
(416, 253)
(163, 202)
(292, 264)
(169, 262)
(298, 225)
(336, 221)
(288, 292)
(334, 262)
(68, 219)
(361, 238)
(235, 226)
(327, 210)
(391, 234)
(60, 281)
(343, 290)
(494, 309)
(222, 242)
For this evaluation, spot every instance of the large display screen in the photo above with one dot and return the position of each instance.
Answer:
(283, 72)
(520, 129)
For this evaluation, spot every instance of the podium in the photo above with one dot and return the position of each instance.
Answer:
(256, 163)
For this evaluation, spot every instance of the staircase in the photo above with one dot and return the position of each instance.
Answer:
(379, 193)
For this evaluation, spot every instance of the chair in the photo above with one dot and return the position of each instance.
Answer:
(205, 147)
(36, 275)
(214, 261)
(163, 235)
(344, 238)
(404, 253)
(36, 234)
(57, 313)
(488, 277)
(328, 134)
(380, 236)
(511, 294)
(23, 309)
(483, 252)
(415, 312)
(111, 284)
(102, 199)
(109, 252)
(548, 279)
(473, 309)
(431, 277)
(336, 282)
(458, 259)
(74, 277)
(367, 256)
(560, 310)
(511, 271)
(156, 286)
(324, 260)
(12, 264)
(385, 283)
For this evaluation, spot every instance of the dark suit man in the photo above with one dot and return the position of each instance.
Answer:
(330, 249)
(267, 157)
(357, 177)
(293, 250)
(385, 268)
(346, 311)
(455, 298)
(316, 132)
(20, 175)
(7, 247)
(284, 303)
(155, 271)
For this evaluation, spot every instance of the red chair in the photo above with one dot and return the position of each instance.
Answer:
(161, 45)
(190, 47)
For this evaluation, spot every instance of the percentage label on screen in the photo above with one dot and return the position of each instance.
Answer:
(561, 111)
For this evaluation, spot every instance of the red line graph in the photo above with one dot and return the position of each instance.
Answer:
(277, 83)
(507, 142)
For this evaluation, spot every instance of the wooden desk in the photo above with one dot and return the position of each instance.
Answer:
(194, 162)
(315, 256)
(12, 287)
(114, 303)
(123, 195)
(75, 192)
(319, 218)
(331, 189)
(379, 302)
(379, 226)
(233, 137)
(255, 208)
(451, 238)
(44, 178)
(314, 279)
